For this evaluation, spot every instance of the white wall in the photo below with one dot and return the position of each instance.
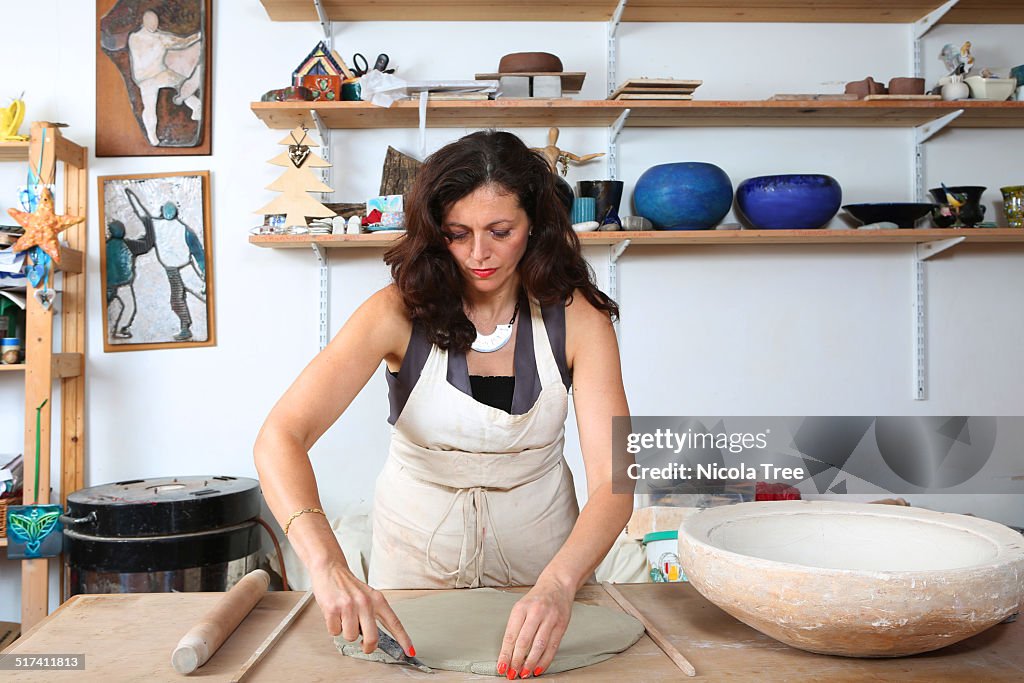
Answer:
(734, 331)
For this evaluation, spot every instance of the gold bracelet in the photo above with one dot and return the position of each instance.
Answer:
(299, 513)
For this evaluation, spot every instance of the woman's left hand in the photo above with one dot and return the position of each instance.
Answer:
(535, 629)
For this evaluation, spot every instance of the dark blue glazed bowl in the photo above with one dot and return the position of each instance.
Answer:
(688, 195)
(789, 202)
(903, 214)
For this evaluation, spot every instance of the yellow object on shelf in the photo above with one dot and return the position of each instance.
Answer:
(10, 121)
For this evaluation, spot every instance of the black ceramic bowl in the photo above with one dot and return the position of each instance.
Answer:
(903, 214)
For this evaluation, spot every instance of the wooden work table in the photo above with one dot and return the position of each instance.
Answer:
(130, 638)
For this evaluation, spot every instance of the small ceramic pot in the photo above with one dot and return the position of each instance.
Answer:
(967, 216)
(10, 350)
(583, 210)
(1013, 205)
(955, 89)
(863, 88)
(906, 86)
(351, 91)
(608, 194)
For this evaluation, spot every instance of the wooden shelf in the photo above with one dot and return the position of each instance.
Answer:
(689, 237)
(17, 367)
(804, 11)
(14, 151)
(710, 113)
(61, 363)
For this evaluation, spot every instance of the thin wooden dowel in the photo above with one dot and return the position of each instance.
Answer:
(272, 639)
(660, 640)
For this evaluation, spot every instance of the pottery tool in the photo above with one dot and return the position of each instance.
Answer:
(389, 645)
(205, 638)
(659, 639)
(272, 639)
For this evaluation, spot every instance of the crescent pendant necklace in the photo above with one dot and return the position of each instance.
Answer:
(489, 343)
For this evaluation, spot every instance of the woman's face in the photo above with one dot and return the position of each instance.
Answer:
(487, 232)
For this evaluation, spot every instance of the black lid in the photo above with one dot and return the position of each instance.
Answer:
(164, 505)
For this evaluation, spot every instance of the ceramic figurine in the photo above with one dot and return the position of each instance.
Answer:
(954, 59)
(966, 58)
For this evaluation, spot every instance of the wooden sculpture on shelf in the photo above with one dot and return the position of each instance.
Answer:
(297, 181)
(556, 156)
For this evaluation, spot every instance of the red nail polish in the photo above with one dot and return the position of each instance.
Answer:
(525, 673)
(412, 651)
(502, 667)
(538, 671)
(512, 674)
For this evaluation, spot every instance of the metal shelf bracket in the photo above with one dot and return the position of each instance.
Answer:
(325, 23)
(928, 21)
(325, 295)
(614, 252)
(921, 27)
(925, 131)
(613, 144)
(926, 250)
(923, 252)
(613, 47)
(922, 134)
(325, 148)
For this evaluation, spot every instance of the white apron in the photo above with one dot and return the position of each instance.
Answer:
(470, 495)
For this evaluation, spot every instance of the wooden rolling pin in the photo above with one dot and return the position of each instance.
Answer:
(203, 639)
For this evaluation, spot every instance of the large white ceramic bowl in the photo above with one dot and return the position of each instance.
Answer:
(853, 579)
(997, 89)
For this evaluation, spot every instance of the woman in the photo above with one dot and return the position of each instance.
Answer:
(492, 313)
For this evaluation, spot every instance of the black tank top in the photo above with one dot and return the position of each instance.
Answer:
(514, 394)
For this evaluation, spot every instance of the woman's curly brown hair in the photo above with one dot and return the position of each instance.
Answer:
(432, 287)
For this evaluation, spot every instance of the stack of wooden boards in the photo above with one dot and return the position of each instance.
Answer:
(655, 89)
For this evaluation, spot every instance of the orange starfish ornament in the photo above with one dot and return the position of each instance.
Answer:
(42, 226)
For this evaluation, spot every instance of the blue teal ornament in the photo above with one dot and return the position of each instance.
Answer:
(34, 531)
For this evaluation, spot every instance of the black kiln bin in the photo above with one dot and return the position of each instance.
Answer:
(171, 534)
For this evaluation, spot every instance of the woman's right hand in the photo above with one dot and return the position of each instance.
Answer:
(351, 607)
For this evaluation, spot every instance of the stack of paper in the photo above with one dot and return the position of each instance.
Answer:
(12, 270)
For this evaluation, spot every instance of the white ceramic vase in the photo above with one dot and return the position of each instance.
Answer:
(955, 89)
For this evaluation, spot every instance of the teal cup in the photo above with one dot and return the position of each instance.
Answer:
(584, 209)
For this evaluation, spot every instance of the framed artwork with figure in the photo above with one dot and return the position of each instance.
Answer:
(153, 77)
(156, 267)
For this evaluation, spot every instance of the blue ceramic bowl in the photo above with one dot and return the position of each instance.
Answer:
(689, 195)
(903, 214)
(789, 202)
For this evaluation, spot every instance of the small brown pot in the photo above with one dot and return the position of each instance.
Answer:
(868, 86)
(906, 86)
